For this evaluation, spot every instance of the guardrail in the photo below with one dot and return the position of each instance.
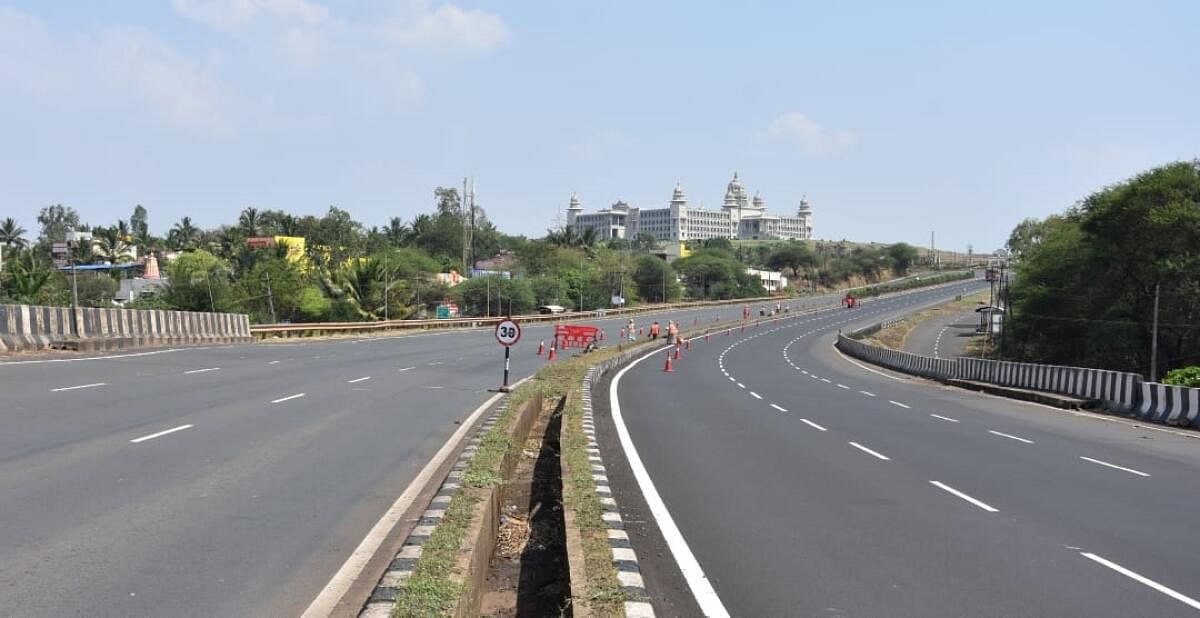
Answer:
(267, 331)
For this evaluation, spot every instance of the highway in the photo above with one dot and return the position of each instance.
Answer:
(231, 480)
(805, 484)
(943, 335)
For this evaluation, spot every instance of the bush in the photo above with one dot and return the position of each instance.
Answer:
(1184, 376)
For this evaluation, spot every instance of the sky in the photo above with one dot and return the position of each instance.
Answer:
(894, 119)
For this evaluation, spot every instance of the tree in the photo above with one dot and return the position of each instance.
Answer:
(902, 255)
(494, 295)
(55, 221)
(111, 245)
(198, 281)
(795, 257)
(139, 223)
(24, 278)
(11, 234)
(184, 235)
(654, 280)
(250, 222)
(714, 273)
(397, 232)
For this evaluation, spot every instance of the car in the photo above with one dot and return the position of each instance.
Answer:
(546, 309)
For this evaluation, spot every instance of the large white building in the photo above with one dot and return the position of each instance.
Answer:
(738, 218)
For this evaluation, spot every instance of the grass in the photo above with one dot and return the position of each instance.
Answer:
(896, 335)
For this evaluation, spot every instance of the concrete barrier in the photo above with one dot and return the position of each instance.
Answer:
(31, 327)
(1173, 405)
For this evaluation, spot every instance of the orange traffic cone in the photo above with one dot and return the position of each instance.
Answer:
(541, 348)
(667, 368)
(553, 352)
(678, 353)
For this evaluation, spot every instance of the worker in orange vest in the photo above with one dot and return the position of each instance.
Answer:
(655, 329)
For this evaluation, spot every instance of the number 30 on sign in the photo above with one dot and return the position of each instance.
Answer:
(508, 333)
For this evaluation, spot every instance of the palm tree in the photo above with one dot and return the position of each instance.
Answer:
(11, 234)
(250, 221)
(184, 234)
(397, 232)
(112, 245)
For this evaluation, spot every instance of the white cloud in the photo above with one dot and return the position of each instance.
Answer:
(450, 27)
(797, 128)
(232, 15)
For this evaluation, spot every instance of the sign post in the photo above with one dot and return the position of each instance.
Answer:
(508, 333)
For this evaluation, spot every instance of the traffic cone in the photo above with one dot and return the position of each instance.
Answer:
(667, 368)
(706, 336)
(553, 352)
(728, 332)
(688, 344)
(541, 348)
(678, 353)
(640, 329)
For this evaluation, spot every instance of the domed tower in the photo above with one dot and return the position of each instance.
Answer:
(573, 209)
(758, 203)
(805, 212)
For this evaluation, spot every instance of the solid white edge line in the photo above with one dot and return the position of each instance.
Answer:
(862, 366)
(339, 584)
(813, 425)
(869, 451)
(778, 408)
(202, 370)
(1178, 596)
(1105, 463)
(983, 505)
(161, 433)
(897, 403)
(288, 398)
(72, 388)
(702, 590)
(1010, 436)
(356, 380)
(944, 418)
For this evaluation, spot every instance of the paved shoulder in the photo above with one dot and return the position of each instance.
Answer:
(944, 335)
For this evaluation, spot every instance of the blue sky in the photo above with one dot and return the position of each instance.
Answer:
(895, 119)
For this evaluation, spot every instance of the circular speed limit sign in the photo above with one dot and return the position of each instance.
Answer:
(508, 333)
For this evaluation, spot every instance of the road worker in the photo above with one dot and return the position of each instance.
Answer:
(631, 332)
(655, 329)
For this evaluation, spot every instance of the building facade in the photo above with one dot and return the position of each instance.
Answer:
(738, 218)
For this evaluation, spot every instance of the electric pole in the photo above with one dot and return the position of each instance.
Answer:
(1154, 339)
(270, 298)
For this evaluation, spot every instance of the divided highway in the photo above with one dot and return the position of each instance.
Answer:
(806, 484)
(231, 480)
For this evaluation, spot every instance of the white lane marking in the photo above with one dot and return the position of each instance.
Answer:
(949, 489)
(1010, 436)
(407, 368)
(755, 395)
(843, 386)
(161, 433)
(202, 370)
(71, 388)
(869, 451)
(862, 366)
(778, 408)
(1178, 596)
(273, 362)
(826, 380)
(740, 385)
(435, 363)
(357, 380)
(897, 403)
(706, 597)
(288, 398)
(944, 418)
(732, 379)
(352, 569)
(868, 394)
(1114, 466)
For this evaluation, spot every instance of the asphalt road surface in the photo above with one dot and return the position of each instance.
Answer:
(806, 485)
(230, 480)
(943, 335)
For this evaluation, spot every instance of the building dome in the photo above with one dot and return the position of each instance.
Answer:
(678, 195)
(575, 203)
(758, 201)
(804, 207)
(735, 186)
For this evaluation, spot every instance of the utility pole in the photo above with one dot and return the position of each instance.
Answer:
(581, 279)
(387, 284)
(1154, 339)
(270, 298)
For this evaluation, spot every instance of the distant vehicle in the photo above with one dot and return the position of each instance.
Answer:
(546, 309)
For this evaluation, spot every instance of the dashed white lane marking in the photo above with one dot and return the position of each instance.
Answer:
(804, 371)
(897, 403)
(161, 433)
(826, 380)
(843, 386)
(869, 451)
(778, 408)
(953, 491)
(72, 388)
(403, 369)
(1141, 579)
(1114, 466)
(740, 385)
(944, 418)
(1010, 436)
(202, 370)
(813, 425)
(732, 379)
(868, 394)
(357, 380)
(274, 362)
(288, 398)
(435, 363)
(755, 395)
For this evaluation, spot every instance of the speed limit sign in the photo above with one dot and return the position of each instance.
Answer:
(508, 333)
